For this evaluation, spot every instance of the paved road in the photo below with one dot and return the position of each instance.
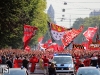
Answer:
(38, 70)
(36, 74)
(43, 74)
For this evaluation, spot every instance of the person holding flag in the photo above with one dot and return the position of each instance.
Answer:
(33, 62)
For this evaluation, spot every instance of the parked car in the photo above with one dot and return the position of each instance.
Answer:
(88, 71)
(17, 71)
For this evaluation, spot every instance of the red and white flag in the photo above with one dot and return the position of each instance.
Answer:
(90, 32)
(57, 31)
(29, 32)
(70, 35)
(46, 44)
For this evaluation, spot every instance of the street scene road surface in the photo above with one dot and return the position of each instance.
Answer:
(43, 74)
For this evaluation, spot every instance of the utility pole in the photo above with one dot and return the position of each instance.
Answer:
(70, 21)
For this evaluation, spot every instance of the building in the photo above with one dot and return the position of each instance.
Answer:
(57, 13)
(51, 14)
(94, 13)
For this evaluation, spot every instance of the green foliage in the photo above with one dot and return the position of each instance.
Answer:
(87, 22)
(14, 14)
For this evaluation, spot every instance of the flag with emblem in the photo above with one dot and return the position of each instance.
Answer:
(56, 33)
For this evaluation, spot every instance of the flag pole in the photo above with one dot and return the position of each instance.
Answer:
(23, 37)
(97, 35)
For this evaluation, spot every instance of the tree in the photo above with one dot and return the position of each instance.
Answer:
(14, 14)
(87, 22)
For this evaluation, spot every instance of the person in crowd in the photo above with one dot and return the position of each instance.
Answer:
(98, 60)
(52, 69)
(81, 64)
(17, 62)
(25, 63)
(41, 62)
(94, 60)
(9, 62)
(77, 63)
(87, 62)
(46, 64)
(0, 60)
(33, 62)
(3, 59)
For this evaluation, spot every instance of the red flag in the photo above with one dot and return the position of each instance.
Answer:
(46, 44)
(27, 48)
(54, 46)
(90, 32)
(86, 45)
(70, 35)
(29, 32)
(60, 47)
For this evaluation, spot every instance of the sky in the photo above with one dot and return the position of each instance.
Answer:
(73, 10)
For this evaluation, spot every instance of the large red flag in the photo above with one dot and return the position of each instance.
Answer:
(29, 32)
(89, 33)
(70, 35)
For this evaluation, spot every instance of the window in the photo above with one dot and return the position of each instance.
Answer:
(65, 3)
(63, 60)
(63, 15)
(63, 10)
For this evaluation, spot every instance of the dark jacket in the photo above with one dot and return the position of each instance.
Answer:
(25, 63)
(9, 63)
(52, 71)
(94, 63)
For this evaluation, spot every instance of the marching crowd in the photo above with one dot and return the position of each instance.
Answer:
(16, 58)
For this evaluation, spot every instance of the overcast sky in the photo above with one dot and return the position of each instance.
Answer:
(74, 9)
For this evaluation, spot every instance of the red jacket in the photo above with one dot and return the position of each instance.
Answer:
(45, 61)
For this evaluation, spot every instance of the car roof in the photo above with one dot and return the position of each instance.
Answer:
(91, 67)
(17, 69)
(62, 54)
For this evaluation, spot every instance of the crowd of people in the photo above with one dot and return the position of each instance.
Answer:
(16, 58)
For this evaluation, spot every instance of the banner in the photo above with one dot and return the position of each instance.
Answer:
(91, 46)
(89, 33)
(70, 35)
(78, 47)
(29, 32)
(94, 46)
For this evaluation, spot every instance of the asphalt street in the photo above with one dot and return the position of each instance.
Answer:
(43, 74)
